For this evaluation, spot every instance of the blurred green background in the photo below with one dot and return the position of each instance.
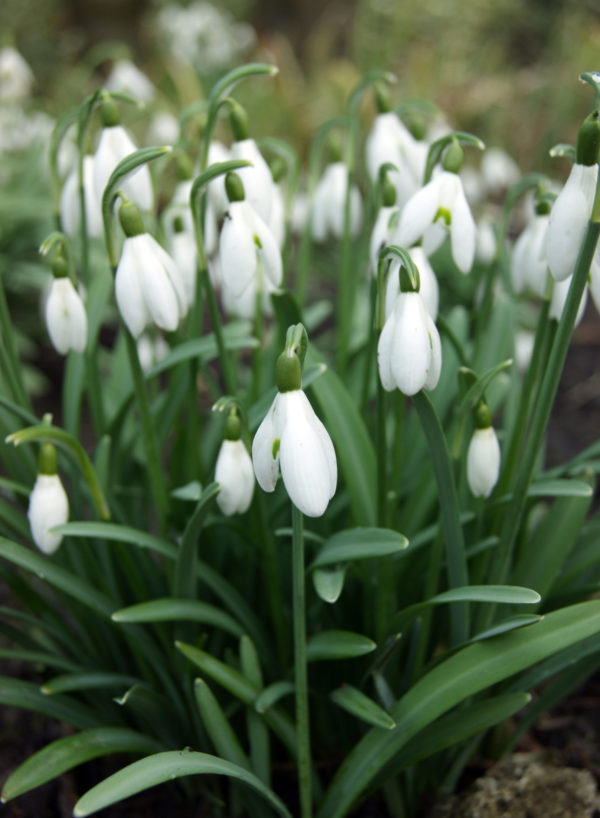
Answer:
(506, 70)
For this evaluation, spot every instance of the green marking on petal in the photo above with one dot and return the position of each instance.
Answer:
(257, 241)
(276, 444)
(444, 214)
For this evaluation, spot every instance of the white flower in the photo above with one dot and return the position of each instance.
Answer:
(483, 462)
(66, 318)
(127, 78)
(114, 145)
(216, 194)
(163, 129)
(390, 141)
(442, 198)
(568, 220)
(560, 292)
(148, 286)
(292, 437)
(48, 507)
(248, 251)
(234, 473)
(70, 210)
(180, 237)
(409, 353)
(257, 180)
(499, 171)
(485, 242)
(151, 350)
(16, 77)
(429, 289)
(329, 204)
(529, 269)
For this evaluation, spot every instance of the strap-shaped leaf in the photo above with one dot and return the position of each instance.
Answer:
(98, 680)
(359, 544)
(361, 706)
(67, 753)
(329, 582)
(161, 767)
(338, 645)
(462, 675)
(173, 610)
(27, 695)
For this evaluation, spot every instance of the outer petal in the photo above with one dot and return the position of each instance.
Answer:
(411, 345)
(559, 296)
(419, 212)
(174, 274)
(385, 352)
(237, 249)
(435, 364)
(257, 180)
(158, 291)
(65, 317)
(184, 253)
(234, 472)
(308, 464)
(430, 291)
(380, 235)
(269, 252)
(266, 464)
(483, 462)
(114, 145)
(48, 507)
(128, 289)
(462, 231)
(568, 220)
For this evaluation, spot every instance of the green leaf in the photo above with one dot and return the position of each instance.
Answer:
(560, 488)
(338, 645)
(118, 533)
(186, 565)
(204, 349)
(354, 450)
(359, 544)
(227, 676)
(173, 610)
(161, 767)
(467, 672)
(271, 695)
(38, 657)
(220, 731)
(86, 681)
(59, 577)
(69, 752)
(191, 491)
(17, 693)
(329, 583)
(498, 594)
(510, 624)
(361, 706)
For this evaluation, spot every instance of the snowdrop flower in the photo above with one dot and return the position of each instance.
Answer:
(16, 77)
(148, 285)
(485, 241)
(257, 180)
(248, 252)
(292, 439)
(151, 350)
(114, 145)
(216, 193)
(329, 204)
(180, 236)
(560, 292)
(127, 78)
(440, 203)
(483, 456)
(529, 268)
(499, 171)
(48, 503)
(573, 206)
(429, 289)
(66, 318)
(390, 141)
(163, 129)
(70, 210)
(233, 471)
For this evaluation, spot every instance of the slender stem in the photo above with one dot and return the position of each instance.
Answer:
(257, 354)
(300, 668)
(453, 534)
(544, 400)
(159, 489)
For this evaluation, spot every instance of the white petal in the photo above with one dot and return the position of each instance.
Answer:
(380, 236)
(419, 212)
(411, 345)
(269, 252)
(237, 249)
(157, 288)
(69, 205)
(234, 473)
(175, 277)
(48, 507)
(114, 145)
(128, 289)
(257, 180)
(560, 292)
(483, 462)
(384, 353)
(430, 292)
(308, 465)
(264, 459)
(65, 317)
(462, 231)
(184, 253)
(568, 221)
(435, 364)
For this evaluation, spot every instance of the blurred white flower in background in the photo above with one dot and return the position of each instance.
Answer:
(204, 35)
(16, 77)
(126, 78)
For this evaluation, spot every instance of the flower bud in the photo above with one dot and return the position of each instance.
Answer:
(109, 113)
(288, 372)
(131, 219)
(453, 158)
(588, 140)
(48, 503)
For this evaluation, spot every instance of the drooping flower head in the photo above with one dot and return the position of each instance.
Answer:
(441, 207)
(233, 470)
(292, 439)
(409, 352)
(66, 318)
(48, 502)
(483, 456)
(329, 204)
(149, 287)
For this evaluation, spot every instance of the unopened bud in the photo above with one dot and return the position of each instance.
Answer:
(288, 372)
(453, 158)
(234, 187)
